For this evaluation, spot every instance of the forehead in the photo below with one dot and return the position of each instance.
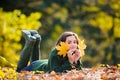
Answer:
(70, 38)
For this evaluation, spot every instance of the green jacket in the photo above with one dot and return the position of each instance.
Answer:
(54, 63)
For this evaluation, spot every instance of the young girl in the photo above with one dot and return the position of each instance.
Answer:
(65, 56)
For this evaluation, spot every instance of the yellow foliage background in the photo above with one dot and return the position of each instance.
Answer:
(11, 24)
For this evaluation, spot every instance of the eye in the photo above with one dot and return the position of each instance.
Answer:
(75, 42)
(69, 42)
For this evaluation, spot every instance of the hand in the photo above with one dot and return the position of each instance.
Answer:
(70, 56)
(76, 55)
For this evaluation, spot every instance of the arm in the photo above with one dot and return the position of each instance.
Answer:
(79, 65)
(74, 58)
(55, 64)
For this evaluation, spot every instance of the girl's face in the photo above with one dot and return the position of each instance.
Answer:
(71, 40)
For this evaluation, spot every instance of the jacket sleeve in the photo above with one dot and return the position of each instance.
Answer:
(55, 66)
(79, 64)
(54, 63)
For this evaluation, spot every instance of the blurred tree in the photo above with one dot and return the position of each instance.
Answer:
(11, 24)
(107, 19)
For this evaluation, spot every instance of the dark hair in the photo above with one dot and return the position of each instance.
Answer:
(64, 35)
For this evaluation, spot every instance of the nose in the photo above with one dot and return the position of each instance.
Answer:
(72, 46)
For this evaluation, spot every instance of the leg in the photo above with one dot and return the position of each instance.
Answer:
(36, 50)
(27, 50)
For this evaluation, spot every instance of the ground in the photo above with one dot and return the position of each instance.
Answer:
(99, 73)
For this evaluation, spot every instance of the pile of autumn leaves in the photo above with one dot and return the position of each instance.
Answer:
(100, 73)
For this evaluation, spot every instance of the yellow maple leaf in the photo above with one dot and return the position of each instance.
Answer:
(82, 46)
(62, 49)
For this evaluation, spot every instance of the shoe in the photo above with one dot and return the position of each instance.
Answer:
(35, 34)
(28, 37)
